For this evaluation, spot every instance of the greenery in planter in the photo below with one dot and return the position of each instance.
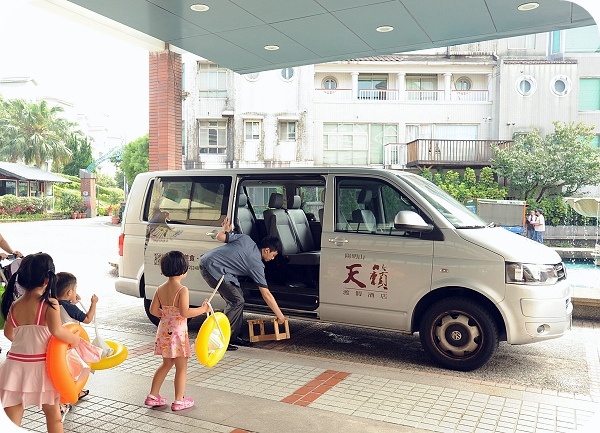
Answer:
(69, 202)
(11, 205)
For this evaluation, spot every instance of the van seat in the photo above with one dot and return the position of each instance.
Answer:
(245, 220)
(279, 223)
(300, 222)
(364, 217)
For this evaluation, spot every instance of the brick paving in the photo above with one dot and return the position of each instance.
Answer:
(413, 399)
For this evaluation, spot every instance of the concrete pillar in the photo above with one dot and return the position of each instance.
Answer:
(165, 111)
(401, 86)
(354, 85)
(490, 88)
(88, 192)
(447, 86)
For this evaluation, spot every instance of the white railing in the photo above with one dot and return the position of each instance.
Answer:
(469, 95)
(393, 95)
(378, 95)
(424, 95)
(394, 155)
(333, 94)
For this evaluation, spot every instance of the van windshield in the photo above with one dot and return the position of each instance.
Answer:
(457, 214)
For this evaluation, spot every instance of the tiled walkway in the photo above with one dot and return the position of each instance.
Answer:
(425, 401)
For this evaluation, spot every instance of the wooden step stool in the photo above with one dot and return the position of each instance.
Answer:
(277, 335)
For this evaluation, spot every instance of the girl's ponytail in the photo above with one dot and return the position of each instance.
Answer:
(32, 273)
(9, 295)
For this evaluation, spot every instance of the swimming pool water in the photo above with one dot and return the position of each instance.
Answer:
(583, 274)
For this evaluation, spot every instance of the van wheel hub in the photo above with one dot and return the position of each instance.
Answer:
(456, 334)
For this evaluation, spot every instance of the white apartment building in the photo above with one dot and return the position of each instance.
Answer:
(439, 108)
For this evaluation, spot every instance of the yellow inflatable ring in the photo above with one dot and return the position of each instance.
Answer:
(206, 357)
(58, 370)
(119, 355)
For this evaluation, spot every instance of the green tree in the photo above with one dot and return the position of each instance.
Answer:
(134, 159)
(106, 180)
(33, 132)
(561, 162)
(466, 186)
(81, 154)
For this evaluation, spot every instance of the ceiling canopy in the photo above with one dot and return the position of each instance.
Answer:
(257, 35)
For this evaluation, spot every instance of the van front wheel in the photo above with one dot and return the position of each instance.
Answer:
(152, 317)
(459, 334)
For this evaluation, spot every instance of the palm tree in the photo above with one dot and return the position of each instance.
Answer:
(32, 132)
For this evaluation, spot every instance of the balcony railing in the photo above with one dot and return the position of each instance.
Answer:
(442, 153)
(378, 94)
(469, 95)
(409, 95)
(424, 95)
(333, 94)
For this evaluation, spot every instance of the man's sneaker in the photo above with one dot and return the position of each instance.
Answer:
(241, 342)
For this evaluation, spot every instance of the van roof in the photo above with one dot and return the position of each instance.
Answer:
(279, 171)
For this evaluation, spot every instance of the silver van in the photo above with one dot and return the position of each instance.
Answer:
(367, 247)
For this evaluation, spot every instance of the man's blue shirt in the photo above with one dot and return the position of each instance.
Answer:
(240, 256)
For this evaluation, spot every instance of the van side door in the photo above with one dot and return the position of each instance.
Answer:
(184, 213)
(371, 273)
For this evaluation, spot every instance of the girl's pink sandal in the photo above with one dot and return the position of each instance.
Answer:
(155, 401)
(180, 405)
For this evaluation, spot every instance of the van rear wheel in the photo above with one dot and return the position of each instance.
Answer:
(459, 334)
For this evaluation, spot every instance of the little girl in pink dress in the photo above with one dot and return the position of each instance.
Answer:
(30, 321)
(171, 303)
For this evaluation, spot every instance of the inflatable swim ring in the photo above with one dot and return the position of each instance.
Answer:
(118, 356)
(216, 328)
(58, 370)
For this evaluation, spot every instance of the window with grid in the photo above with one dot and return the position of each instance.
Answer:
(212, 137)
(356, 144)
(287, 131)
(212, 81)
(589, 94)
(252, 130)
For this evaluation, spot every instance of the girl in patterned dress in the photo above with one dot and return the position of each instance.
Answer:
(171, 303)
(30, 321)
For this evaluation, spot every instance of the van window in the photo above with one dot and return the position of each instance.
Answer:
(259, 197)
(369, 206)
(312, 200)
(187, 200)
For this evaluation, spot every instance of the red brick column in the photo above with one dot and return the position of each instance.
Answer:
(165, 111)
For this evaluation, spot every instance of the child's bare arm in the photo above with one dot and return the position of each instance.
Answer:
(92, 311)
(184, 305)
(155, 305)
(9, 331)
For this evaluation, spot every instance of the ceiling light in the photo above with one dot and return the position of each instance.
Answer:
(385, 29)
(529, 6)
(271, 47)
(199, 8)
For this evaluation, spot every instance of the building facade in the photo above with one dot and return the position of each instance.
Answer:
(438, 108)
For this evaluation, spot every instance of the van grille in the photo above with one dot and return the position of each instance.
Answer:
(561, 271)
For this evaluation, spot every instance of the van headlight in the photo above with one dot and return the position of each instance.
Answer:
(528, 273)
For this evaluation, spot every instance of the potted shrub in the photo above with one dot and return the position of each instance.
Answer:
(70, 203)
(109, 210)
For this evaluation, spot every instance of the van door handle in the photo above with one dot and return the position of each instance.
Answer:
(338, 240)
(213, 234)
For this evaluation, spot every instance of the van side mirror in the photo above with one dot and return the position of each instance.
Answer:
(410, 221)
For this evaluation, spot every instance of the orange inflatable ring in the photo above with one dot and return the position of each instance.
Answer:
(205, 355)
(119, 355)
(58, 370)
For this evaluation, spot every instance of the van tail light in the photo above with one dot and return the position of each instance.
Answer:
(121, 239)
